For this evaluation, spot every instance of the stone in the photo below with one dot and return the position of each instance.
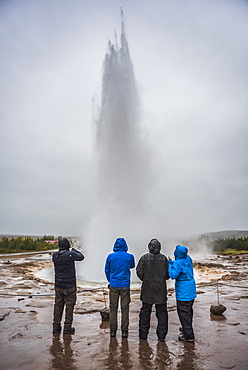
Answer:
(217, 309)
(105, 314)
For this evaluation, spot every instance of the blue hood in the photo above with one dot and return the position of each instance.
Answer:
(180, 252)
(120, 245)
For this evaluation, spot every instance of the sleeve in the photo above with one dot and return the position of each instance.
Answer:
(132, 262)
(140, 269)
(107, 269)
(77, 256)
(174, 269)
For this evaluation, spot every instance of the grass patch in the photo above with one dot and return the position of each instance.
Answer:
(232, 252)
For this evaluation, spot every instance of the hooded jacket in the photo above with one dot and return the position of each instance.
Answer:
(152, 269)
(118, 265)
(182, 270)
(64, 265)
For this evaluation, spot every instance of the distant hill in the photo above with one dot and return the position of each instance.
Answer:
(201, 242)
(10, 236)
(210, 235)
(224, 234)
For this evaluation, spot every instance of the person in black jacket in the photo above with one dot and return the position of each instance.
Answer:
(65, 285)
(152, 269)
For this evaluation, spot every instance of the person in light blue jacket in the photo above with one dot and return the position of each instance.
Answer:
(181, 269)
(117, 271)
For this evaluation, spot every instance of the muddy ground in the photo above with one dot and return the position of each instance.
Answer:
(27, 342)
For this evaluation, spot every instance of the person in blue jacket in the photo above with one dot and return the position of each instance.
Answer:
(117, 271)
(181, 269)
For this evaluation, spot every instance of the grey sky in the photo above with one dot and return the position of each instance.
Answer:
(190, 60)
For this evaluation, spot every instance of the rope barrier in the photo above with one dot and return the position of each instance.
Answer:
(235, 286)
(223, 284)
(103, 289)
(28, 295)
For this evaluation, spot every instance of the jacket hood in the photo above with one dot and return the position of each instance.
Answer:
(154, 246)
(64, 244)
(120, 245)
(180, 252)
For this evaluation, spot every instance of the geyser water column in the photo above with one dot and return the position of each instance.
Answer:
(124, 171)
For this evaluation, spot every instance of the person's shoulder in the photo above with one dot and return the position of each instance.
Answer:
(188, 259)
(130, 254)
(145, 256)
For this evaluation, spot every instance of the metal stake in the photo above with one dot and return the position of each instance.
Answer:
(104, 297)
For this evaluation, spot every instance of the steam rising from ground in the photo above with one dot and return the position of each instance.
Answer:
(124, 180)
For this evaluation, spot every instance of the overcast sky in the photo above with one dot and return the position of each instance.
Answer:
(190, 60)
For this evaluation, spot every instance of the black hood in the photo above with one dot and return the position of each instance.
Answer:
(154, 246)
(64, 244)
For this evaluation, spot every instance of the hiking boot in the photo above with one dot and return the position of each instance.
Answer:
(124, 334)
(183, 339)
(113, 334)
(69, 331)
(161, 339)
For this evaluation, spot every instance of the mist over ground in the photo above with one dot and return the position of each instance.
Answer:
(190, 63)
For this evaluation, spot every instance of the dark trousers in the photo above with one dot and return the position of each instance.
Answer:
(145, 316)
(67, 298)
(185, 314)
(114, 295)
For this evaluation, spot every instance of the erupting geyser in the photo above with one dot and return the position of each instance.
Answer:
(124, 170)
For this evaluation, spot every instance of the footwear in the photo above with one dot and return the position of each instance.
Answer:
(181, 329)
(183, 339)
(161, 339)
(57, 330)
(113, 334)
(124, 334)
(69, 331)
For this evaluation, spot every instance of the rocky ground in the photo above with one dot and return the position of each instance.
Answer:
(27, 342)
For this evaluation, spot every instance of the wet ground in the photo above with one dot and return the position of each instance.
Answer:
(27, 342)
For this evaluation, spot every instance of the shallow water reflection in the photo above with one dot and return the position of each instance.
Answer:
(188, 358)
(119, 356)
(163, 356)
(160, 358)
(145, 355)
(63, 356)
(217, 317)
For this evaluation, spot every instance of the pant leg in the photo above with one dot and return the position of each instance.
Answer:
(125, 300)
(58, 308)
(162, 316)
(185, 314)
(144, 320)
(70, 300)
(113, 304)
